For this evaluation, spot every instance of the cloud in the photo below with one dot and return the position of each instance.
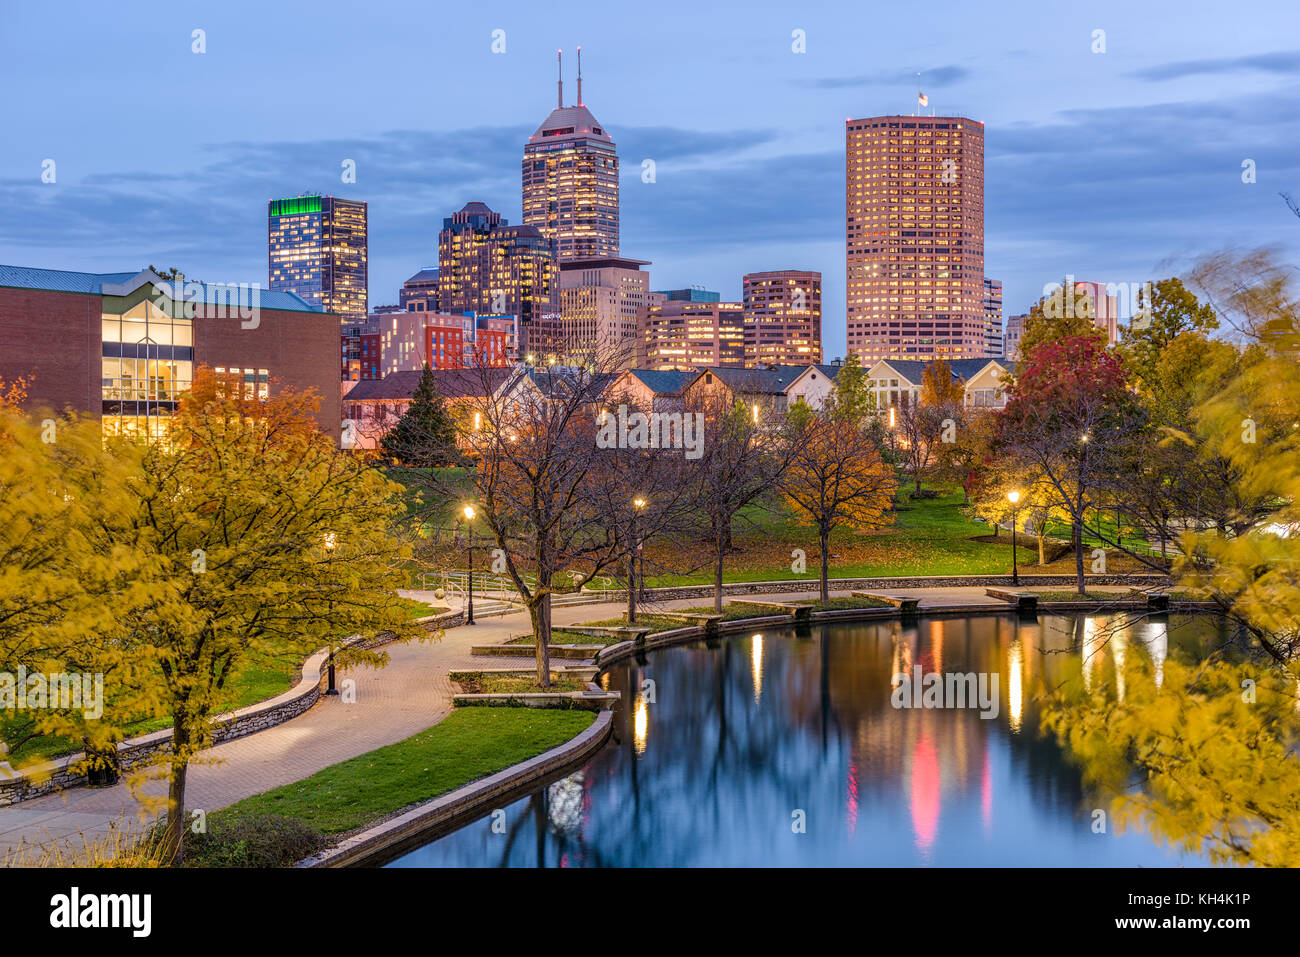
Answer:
(1285, 62)
(935, 78)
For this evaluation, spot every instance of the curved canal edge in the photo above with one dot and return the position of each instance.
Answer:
(376, 843)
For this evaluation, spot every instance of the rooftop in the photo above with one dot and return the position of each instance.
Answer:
(124, 283)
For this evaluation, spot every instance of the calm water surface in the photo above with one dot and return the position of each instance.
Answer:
(744, 733)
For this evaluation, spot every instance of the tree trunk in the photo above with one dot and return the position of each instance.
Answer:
(631, 587)
(540, 612)
(173, 845)
(1042, 543)
(717, 572)
(1077, 536)
(825, 536)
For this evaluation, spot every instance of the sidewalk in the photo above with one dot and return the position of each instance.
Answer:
(411, 694)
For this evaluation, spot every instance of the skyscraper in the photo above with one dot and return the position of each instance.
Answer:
(316, 248)
(678, 334)
(602, 303)
(487, 266)
(783, 317)
(992, 317)
(914, 237)
(570, 181)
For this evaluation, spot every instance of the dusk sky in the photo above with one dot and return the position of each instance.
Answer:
(1113, 166)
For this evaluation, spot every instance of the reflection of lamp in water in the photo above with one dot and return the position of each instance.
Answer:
(640, 724)
(1158, 648)
(756, 656)
(1015, 685)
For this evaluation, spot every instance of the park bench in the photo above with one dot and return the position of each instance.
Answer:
(1026, 601)
(798, 612)
(1156, 600)
(708, 622)
(908, 606)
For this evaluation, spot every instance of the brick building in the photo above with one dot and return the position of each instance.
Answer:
(123, 346)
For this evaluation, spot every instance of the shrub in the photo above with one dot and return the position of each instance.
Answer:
(261, 840)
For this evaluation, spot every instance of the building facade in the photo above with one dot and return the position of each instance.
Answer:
(317, 249)
(914, 237)
(783, 317)
(124, 346)
(603, 302)
(570, 182)
(420, 292)
(678, 334)
(1012, 330)
(992, 318)
(488, 267)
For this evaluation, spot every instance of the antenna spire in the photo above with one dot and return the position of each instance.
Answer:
(559, 85)
(580, 76)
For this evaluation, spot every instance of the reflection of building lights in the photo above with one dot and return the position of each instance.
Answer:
(640, 724)
(1119, 644)
(756, 657)
(1089, 651)
(1015, 685)
(1158, 648)
(564, 803)
(478, 420)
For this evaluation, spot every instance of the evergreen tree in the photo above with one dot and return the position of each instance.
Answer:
(425, 435)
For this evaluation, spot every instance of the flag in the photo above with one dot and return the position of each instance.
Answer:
(922, 99)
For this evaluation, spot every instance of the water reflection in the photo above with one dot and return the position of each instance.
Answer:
(753, 730)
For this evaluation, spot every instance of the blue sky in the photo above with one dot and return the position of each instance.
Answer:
(1114, 166)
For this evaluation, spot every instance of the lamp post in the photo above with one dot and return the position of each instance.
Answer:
(1013, 497)
(330, 542)
(634, 546)
(469, 534)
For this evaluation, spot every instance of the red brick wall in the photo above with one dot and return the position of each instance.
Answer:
(53, 340)
(300, 349)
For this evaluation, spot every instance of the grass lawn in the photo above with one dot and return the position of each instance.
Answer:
(928, 536)
(470, 743)
(561, 637)
(476, 682)
(260, 678)
(1097, 596)
(836, 604)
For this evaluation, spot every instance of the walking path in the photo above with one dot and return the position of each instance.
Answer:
(409, 695)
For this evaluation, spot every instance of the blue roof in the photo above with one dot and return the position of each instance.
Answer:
(664, 381)
(59, 280)
(962, 369)
(62, 280)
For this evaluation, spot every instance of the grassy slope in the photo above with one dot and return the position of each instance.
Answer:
(468, 744)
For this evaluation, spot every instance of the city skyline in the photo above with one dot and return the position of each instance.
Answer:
(1079, 177)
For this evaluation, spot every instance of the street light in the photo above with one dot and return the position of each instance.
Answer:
(638, 503)
(469, 535)
(1013, 497)
(330, 542)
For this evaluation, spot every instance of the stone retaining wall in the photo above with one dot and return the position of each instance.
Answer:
(850, 584)
(499, 789)
(137, 752)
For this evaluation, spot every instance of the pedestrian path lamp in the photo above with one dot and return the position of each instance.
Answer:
(1014, 497)
(469, 534)
(330, 542)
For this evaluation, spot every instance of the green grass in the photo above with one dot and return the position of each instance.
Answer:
(260, 678)
(478, 682)
(561, 637)
(1097, 596)
(467, 745)
(836, 604)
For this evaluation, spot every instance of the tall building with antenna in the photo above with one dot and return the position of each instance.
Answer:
(914, 237)
(570, 180)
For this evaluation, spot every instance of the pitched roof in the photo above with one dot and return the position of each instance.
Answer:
(756, 381)
(962, 369)
(123, 283)
(664, 381)
(451, 384)
(577, 118)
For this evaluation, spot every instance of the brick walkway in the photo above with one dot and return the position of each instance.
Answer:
(411, 694)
